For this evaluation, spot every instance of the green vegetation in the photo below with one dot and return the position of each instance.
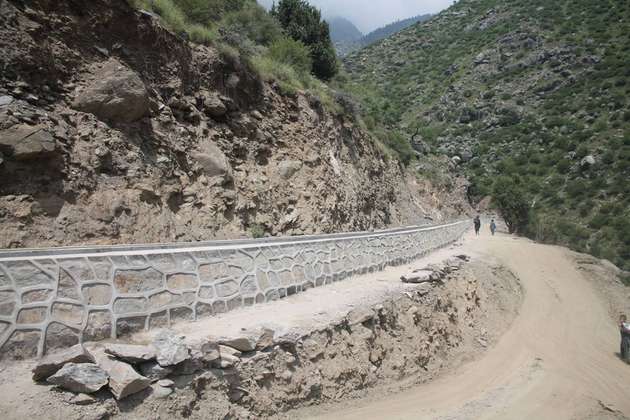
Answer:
(257, 231)
(536, 94)
(304, 23)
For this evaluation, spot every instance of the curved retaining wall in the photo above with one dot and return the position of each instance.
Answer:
(55, 298)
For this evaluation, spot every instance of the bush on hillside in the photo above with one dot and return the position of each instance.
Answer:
(303, 22)
(509, 196)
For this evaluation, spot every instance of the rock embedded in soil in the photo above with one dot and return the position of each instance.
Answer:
(53, 362)
(421, 276)
(131, 353)
(84, 378)
(171, 349)
(116, 93)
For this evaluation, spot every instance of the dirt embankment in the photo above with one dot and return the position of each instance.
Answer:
(114, 130)
(394, 335)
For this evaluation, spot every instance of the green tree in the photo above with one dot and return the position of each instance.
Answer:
(509, 196)
(304, 23)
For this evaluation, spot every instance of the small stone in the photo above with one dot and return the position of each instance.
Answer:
(53, 362)
(171, 349)
(6, 100)
(131, 353)
(167, 383)
(84, 378)
(266, 339)
(82, 399)
(154, 371)
(421, 276)
(161, 392)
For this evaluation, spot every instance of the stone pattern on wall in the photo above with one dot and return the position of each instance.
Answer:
(48, 303)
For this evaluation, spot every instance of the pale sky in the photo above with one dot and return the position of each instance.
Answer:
(368, 15)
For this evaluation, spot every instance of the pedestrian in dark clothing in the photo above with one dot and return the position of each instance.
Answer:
(493, 227)
(624, 329)
(477, 225)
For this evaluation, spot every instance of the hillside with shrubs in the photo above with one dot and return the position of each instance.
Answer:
(530, 99)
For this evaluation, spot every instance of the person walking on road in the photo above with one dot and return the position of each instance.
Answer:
(493, 227)
(477, 225)
(624, 329)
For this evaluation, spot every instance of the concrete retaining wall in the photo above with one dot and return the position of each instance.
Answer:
(55, 298)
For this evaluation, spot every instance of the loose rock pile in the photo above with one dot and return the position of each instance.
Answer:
(127, 369)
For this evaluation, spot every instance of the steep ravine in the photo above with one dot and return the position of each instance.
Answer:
(115, 130)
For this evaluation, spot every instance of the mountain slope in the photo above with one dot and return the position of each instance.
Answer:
(528, 96)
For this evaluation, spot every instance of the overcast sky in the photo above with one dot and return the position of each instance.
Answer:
(368, 15)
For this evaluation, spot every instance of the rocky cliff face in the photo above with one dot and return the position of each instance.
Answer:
(113, 129)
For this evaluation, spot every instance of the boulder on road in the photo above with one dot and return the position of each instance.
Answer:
(53, 362)
(115, 93)
(83, 378)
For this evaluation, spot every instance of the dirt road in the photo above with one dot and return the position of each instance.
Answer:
(558, 360)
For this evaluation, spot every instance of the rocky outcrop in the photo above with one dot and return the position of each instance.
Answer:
(150, 139)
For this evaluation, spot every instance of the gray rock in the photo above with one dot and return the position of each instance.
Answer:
(213, 106)
(84, 378)
(116, 93)
(131, 353)
(359, 316)
(421, 276)
(26, 142)
(171, 349)
(167, 383)
(154, 371)
(243, 344)
(53, 362)
(123, 379)
(161, 392)
(266, 339)
(212, 160)
(288, 168)
(82, 399)
(6, 100)
(588, 161)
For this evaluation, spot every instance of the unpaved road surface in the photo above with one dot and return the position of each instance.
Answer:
(559, 359)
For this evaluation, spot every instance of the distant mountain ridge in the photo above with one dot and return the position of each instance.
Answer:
(343, 30)
(387, 30)
(347, 38)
